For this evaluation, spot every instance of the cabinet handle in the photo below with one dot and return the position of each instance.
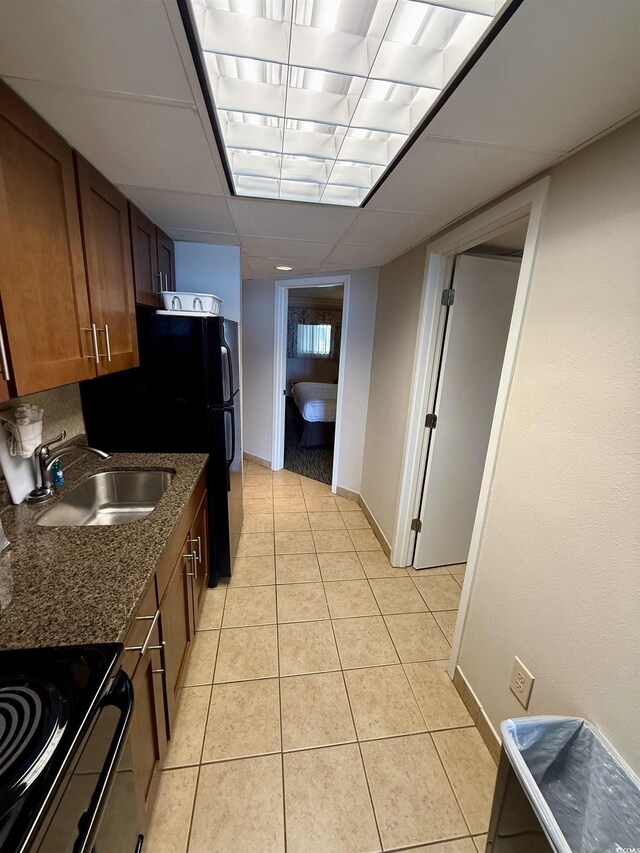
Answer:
(166, 281)
(94, 338)
(145, 645)
(159, 274)
(107, 340)
(194, 573)
(157, 671)
(6, 373)
(198, 539)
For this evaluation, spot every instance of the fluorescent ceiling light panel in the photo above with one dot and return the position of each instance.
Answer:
(315, 98)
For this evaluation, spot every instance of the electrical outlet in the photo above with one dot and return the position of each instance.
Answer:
(521, 682)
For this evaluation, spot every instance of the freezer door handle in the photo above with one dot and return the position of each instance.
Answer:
(229, 413)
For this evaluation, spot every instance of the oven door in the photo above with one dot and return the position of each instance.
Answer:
(97, 811)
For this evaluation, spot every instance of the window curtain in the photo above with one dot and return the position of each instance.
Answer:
(306, 341)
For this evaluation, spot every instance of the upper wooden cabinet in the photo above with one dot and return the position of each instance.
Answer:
(166, 260)
(153, 259)
(47, 325)
(105, 229)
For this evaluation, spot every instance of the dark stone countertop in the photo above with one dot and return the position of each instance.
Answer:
(68, 585)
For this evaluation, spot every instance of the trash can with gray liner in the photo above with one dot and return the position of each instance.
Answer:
(562, 787)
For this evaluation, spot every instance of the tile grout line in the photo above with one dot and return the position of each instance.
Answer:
(355, 729)
(446, 772)
(320, 746)
(331, 619)
(204, 737)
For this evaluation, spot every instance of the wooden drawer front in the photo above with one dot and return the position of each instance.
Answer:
(176, 547)
(139, 631)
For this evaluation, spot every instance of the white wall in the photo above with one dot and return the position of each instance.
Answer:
(258, 306)
(399, 296)
(311, 370)
(209, 268)
(558, 579)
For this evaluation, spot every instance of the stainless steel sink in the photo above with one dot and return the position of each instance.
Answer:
(111, 497)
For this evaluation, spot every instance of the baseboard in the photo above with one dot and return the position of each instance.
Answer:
(489, 735)
(386, 547)
(348, 493)
(257, 460)
(478, 714)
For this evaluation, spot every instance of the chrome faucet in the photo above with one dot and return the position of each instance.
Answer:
(46, 460)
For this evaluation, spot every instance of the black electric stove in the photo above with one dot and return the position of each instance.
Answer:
(64, 718)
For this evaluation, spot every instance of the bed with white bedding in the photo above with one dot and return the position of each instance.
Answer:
(316, 402)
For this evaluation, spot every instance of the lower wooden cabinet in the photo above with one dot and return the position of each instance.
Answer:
(148, 734)
(199, 544)
(159, 642)
(178, 628)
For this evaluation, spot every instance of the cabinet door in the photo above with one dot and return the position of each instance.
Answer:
(177, 629)
(105, 228)
(148, 732)
(200, 547)
(144, 253)
(42, 276)
(166, 261)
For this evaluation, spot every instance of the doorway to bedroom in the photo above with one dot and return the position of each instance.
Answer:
(310, 362)
(314, 331)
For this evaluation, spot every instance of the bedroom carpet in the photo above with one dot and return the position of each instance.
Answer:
(313, 462)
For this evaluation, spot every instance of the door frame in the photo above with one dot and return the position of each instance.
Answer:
(282, 288)
(435, 390)
(440, 255)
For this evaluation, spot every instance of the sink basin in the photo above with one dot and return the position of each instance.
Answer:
(110, 497)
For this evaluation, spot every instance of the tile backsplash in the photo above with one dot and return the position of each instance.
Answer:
(62, 410)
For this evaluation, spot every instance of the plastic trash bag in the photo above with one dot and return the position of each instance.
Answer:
(586, 798)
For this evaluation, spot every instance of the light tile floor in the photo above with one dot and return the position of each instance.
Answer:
(318, 716)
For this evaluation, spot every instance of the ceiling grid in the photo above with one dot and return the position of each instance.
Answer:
(119, 82)
(315, 98)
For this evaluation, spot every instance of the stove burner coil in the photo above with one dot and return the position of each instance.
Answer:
(20, 716)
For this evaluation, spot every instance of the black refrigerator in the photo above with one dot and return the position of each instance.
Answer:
(183, 398)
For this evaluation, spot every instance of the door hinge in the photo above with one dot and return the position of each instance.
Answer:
(448, 296)
(430, 421)
(416, 525)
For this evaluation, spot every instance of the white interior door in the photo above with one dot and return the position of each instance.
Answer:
(473, 353)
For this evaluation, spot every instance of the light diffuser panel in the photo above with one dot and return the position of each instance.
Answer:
(315, 98)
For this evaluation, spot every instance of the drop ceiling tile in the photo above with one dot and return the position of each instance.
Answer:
(269, 247)
(191, 211)
(349, 255)
(188, 236)
(398, 230)
(329, 266)
(446, 179)
(140, 143)
(266, 267)
(289, 220)
(126, 46)
(573, 71)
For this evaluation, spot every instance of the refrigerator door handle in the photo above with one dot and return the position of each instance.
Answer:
(227, 348)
